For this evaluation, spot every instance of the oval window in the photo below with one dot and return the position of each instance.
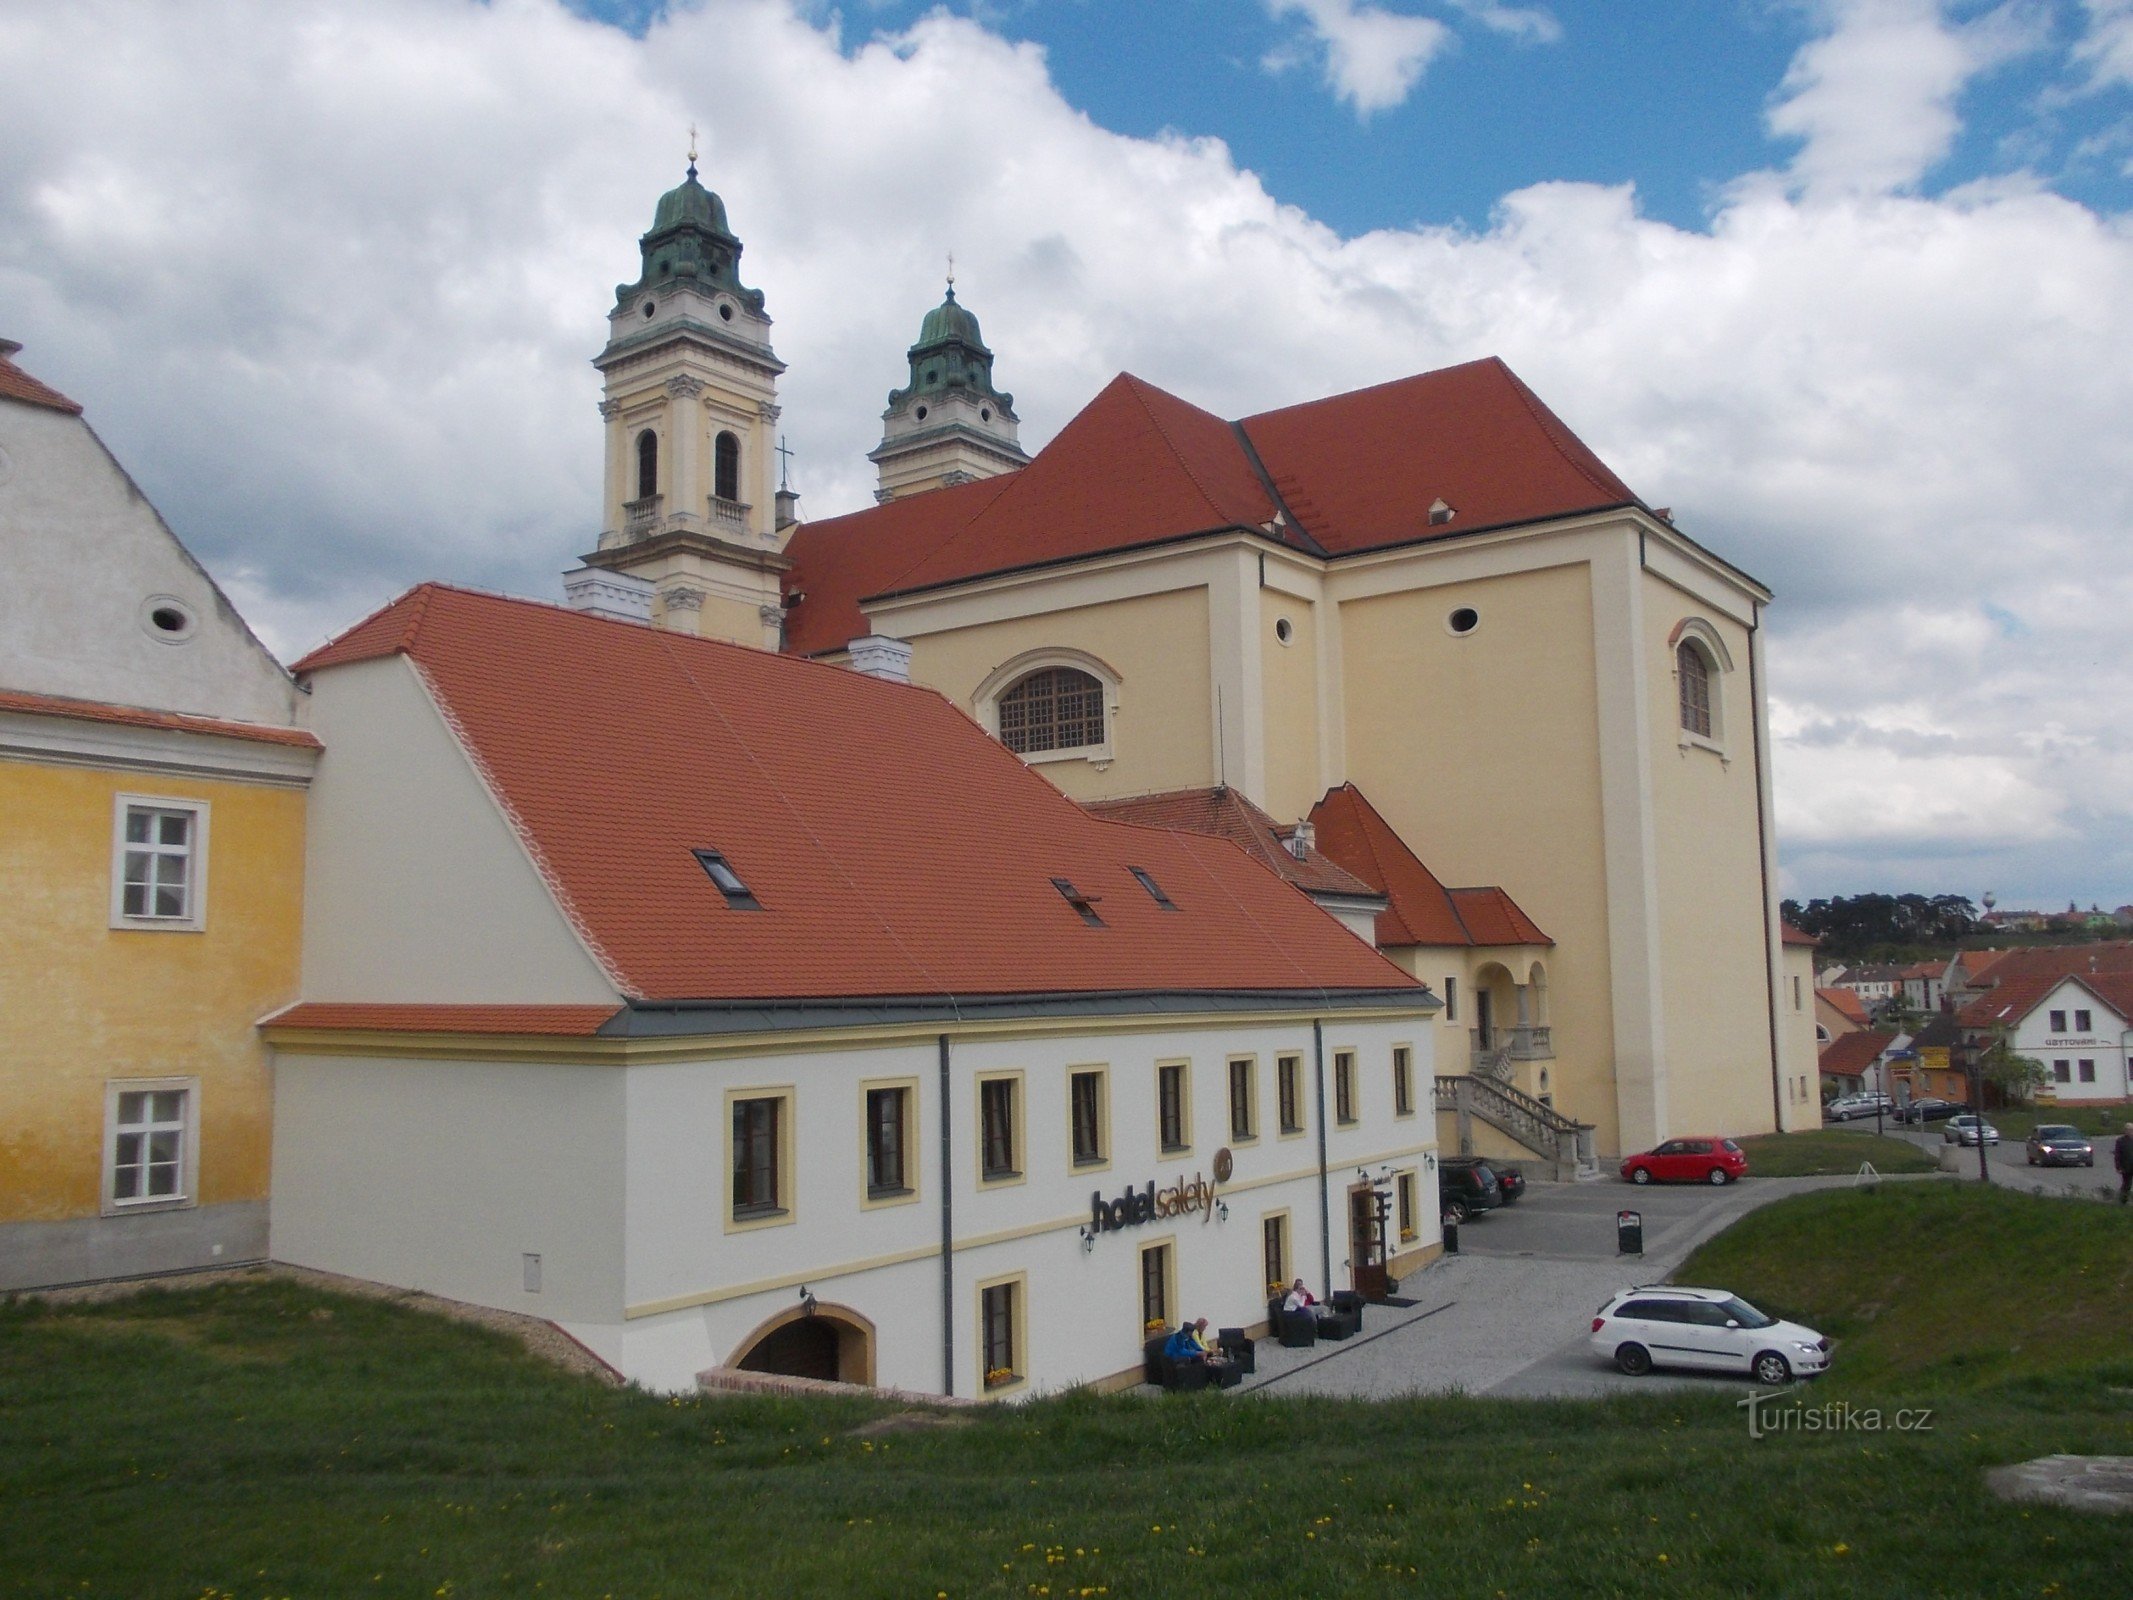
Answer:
(1284, 629)
(650, 306)
(725, 313)
(920, 413)
(1464, 620)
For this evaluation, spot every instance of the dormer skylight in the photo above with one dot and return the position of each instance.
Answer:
(1155, 890)
(720, 872)
(1083, 903)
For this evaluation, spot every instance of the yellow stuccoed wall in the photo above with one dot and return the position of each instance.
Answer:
(1289, 697)
(86, 1002)
(1158, 645)
(1714, 955)
(1482, 751)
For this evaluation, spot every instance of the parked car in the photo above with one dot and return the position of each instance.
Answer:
(2054, 1144)
(1699, 1160)
(1711, 1330)
(1465, 1187)
(1968, 1129)
(1928, 1110)
(1845, 1107)
(1508, 1177)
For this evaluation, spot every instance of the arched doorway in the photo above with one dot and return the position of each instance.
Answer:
(830, 1342)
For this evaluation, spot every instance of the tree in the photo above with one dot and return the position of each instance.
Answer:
(2016, 1076)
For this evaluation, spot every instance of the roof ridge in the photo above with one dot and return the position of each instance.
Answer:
(1554, 429)
(1141, 388)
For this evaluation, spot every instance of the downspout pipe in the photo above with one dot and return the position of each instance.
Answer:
(947, 1182)
(1325, 1220)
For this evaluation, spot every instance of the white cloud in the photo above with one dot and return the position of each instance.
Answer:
(329, 278)
(1534, 23)
(1873, 98)
(2106, 49)
(1373, 57)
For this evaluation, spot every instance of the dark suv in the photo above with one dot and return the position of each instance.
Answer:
(1465, 1185)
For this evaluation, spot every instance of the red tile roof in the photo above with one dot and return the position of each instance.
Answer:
(896, 850)
(572, 1022)
(49, 705)
(1226, 814)
(1138, 466)
(1361, 470)
(1421, 910)
(2015, 995)
(1846, 1002)
(15, 384)
(1797, 936)
(1851, 1054)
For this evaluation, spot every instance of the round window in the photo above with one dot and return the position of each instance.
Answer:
(167, 619)
(985, 413)
(725, 313)
(920, 413)
(650, 306)
(1284, 629)
(1464, 620)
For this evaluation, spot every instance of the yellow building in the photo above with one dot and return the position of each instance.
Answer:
(153, 785)
(1431, 591)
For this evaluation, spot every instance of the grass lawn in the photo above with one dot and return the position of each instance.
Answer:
(1814, 1152)
(263, 1439)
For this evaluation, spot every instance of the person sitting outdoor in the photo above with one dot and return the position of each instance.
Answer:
(1299, 1298)
(1190, 1343)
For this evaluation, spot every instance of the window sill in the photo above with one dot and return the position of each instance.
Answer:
(995, 1179)
(757, 1217)
(878, 1199)
(1097, 755)
(1697, 741)
(1292, 1133)
(159, 924)
(134, 1208)
(1174, 1150)
(1236, 1138)
(1091, 1163)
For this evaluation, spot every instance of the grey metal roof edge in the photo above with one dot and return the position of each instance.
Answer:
(641, 1019)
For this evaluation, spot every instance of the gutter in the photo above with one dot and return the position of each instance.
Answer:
(947, 1235)
(1762, 856)
(1325, 1221)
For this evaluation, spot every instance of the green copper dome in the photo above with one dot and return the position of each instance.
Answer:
(690, 202)
(949, 320)
(690, 242)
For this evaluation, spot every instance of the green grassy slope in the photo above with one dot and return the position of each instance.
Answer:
(262, 1439)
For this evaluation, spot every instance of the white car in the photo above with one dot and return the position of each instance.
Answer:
(1965, 1130)
(1846, 1107)
(1705, 1330)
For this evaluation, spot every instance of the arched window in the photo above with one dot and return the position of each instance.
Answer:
(726, 467)
(1055, 709)
(1693, 669)
(647, 464)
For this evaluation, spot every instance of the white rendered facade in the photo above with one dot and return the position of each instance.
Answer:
(2075, 1031)
(588, 1183)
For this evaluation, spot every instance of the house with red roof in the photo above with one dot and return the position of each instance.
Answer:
(152, 778)
(741, 1012)
(1431, 590)
(2069, 1007)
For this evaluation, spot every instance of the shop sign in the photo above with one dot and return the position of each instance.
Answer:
(1147, 1204)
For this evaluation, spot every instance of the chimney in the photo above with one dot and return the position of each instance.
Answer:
(878, 656)
(788, 509)
(614, 595)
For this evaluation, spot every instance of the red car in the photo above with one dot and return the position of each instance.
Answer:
(1713, 1161)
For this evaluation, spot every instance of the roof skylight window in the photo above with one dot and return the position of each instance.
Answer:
(1083, 903)
(1155, 890)
(720, 871)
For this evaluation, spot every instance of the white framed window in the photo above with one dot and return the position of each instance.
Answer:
(759, 1158)
(158, 863)
(1051, 705)
(151, 1144)
(1701, 665)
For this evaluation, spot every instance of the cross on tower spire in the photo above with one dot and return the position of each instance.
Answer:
(692, 149)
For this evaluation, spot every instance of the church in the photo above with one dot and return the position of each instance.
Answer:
(1417, 623)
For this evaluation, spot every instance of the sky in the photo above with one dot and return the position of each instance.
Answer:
(1848, 284)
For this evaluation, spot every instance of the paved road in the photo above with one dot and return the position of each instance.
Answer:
(2007, 1162)
(1509, 1315)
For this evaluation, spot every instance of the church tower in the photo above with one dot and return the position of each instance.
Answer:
(691, 411)
(949, 425)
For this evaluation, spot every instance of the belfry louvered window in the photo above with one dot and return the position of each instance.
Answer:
(1055, 709)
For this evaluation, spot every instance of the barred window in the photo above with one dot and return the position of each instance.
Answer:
(1055, 709)
(1695, 675)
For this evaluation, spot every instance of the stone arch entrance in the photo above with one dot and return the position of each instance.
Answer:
(824, 1341)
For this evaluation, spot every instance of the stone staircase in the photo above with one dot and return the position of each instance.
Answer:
(1563, 1142)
